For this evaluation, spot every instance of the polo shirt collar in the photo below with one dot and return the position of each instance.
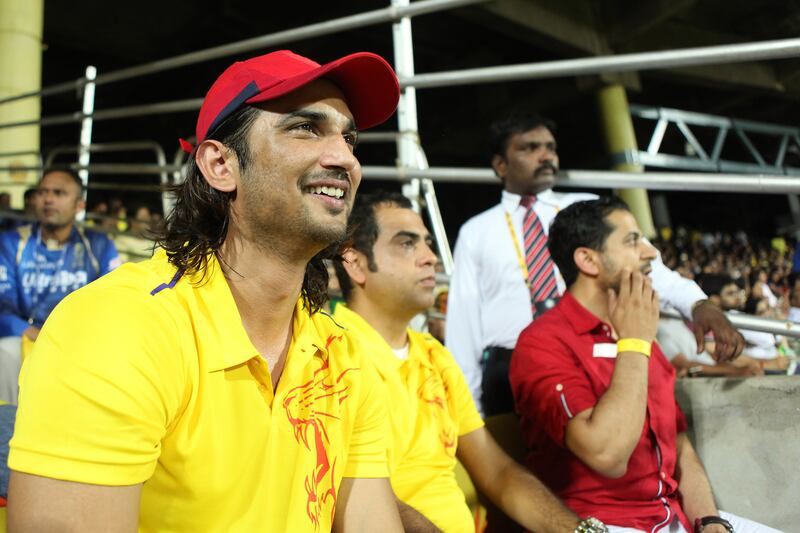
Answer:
(71, 238)
(215, 298)
(383, 357)
(310, 336)
(425, 344)
(511, 201)
(581, 319)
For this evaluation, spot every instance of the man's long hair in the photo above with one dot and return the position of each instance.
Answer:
(198, 224)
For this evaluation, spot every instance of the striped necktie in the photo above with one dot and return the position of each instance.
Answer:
(541, 275)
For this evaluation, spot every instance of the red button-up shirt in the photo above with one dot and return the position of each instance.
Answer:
(561, 366)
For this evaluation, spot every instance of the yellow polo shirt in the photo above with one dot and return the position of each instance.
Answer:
(149, 376)
(430, 406)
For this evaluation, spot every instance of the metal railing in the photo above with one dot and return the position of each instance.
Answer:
(149, 146)
(603, 179)
(413, 164)
(753, 323)
(328, 27)
(687, 57)
(709, 158)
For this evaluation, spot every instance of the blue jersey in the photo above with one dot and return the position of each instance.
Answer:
(35, 277)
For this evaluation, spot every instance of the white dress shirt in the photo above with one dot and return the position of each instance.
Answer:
(489, 302)
(675, 338)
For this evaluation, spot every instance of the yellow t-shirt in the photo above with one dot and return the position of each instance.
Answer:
(143, 376)
(430, 406)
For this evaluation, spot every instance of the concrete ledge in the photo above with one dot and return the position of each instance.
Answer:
(747, 433)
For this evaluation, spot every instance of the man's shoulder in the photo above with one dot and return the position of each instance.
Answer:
(337, 338)
(129, 286)
(562, 200)
(97, 238)
(14, 235)
(478, 223)
(549, 328)
(426, 345)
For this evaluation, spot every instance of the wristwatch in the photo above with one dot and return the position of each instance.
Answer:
(591, 524)
(695, 370)
(701, 523)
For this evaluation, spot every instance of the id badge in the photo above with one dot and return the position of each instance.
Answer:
(605, 349)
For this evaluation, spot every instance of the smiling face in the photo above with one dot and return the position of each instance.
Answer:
(405, 261)
(625, 247)
(530, 162)
(299, 186)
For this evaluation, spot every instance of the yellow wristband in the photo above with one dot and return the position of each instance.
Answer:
(634, 345)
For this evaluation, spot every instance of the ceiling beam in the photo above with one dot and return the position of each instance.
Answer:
(644, 17)
(564, 24)
(758, 76)
(564, 29)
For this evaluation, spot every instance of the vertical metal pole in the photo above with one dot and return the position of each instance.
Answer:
(407, 107)
(794, 209)
(84, 155)
(409, 150)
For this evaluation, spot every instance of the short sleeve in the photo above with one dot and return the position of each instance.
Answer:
(459, 397)
(110, 258)
(97, 395)
(463, 326)
(549, 386)
(367, 454)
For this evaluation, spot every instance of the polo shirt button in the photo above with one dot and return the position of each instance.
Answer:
(262, 388)
(663, 475)
(559, 387)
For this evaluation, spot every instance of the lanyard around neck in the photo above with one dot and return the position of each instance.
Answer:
(35, 302)
(517, 248)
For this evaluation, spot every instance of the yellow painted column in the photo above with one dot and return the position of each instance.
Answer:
(615, 118)
(21, 23)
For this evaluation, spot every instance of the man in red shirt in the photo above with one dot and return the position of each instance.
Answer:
(596, 395)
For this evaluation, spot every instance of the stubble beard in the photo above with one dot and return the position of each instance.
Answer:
(273, 228)
(55, 225)
(615, 280)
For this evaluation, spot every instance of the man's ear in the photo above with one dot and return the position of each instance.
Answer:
(355, 264)
(218, 164)
(500, 165)
(587, 261)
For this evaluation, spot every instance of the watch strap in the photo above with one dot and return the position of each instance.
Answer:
(700, 523)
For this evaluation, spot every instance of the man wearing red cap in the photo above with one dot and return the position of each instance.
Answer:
(208, 394)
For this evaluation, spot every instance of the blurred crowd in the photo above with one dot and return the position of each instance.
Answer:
(761, 267)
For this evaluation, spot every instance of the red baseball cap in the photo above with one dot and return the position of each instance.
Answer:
(368, 82)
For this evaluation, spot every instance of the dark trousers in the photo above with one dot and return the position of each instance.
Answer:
(496, 397)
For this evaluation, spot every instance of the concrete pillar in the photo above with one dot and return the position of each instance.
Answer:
(617, 125)
(21, 23)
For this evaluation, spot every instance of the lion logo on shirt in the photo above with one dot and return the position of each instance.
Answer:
(433, 391)
(310, 430)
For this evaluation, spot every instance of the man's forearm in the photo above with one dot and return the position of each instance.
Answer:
(612, 430)
(528, 502)
(693, 484)
(414, 521)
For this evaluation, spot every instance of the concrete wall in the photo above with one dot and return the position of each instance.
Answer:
(747, 432)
